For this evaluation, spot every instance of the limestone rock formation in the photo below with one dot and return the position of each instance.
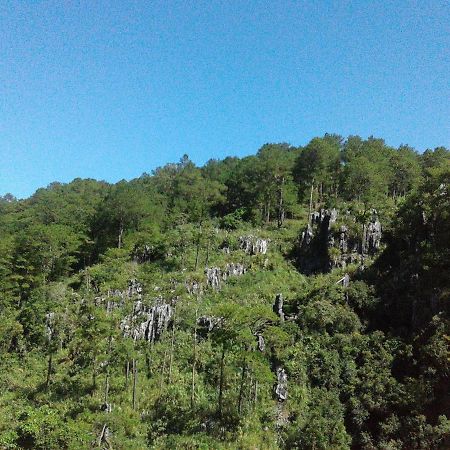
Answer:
(50, 322)
(209, 323)
(372, 235)
(147, 323)
(234, 270)
(281, 387)
(215, 275)
(323, 246)
(261, 343)
(278, 306)
(253, 245)
(194, 287)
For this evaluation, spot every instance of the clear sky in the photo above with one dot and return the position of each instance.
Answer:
(112, 89)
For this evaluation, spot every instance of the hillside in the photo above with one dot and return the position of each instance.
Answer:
(297, 298)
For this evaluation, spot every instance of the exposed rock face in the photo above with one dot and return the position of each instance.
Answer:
(343, 239)
(50, 322)
(194, 287)
(372, 235)
(215, 275)
(134, 288)
(253, 245)
(147, 323)
(234, 270)
(323, 247)
(281, 387)
(307, 236)
(116, 298)
(261, 343)
(278, 306)
(106, 407)
(209, 323)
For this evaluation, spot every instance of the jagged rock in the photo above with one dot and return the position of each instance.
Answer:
(343, 239)
(253, 245)
(234, 269)
(323, 248)
(213, 277)
(209, 322)
(134, 288)
(372, 235)
(281, 387)
(333, 215)
(261, 343)
(278, 306)
(106, 407)
(194, 287)
(260, 246)
(307, 236)
(147, 323)
(50, 322)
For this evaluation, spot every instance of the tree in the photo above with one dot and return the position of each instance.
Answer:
(317, 167)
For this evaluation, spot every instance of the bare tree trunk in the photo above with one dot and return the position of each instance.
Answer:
(127, 373)
(197, 253)
(94, 376)
(268, 212)
(135, 372)
(194, 362)
(172, 346)
(161, 383)
(106, 386)
(207, 253)
(119, 241)
(241, 388)
(221, 381)
(310, 201)
(107, 370)
(49, 368)
(280, 205)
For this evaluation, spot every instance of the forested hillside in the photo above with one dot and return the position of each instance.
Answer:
(297, 298)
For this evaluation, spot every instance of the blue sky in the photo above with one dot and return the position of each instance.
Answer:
(112, 89)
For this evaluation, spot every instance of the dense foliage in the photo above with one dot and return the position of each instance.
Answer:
(148, 314)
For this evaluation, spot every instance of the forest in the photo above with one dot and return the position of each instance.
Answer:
(297, 298)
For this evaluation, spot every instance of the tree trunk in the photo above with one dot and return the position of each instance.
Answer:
(194, 362)
(127, 373)
(119, 241)
(280, 205)
(49, 369)
(172, 346)
(106, 386)
(161, 382)
(310, 201)
(268, 212)
(94, 376)
(241, 388)
(221, 381)
(107, 370)
(207, 253)
(135, 372)
(197, 253)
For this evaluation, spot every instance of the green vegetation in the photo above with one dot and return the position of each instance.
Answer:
(148, 314)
